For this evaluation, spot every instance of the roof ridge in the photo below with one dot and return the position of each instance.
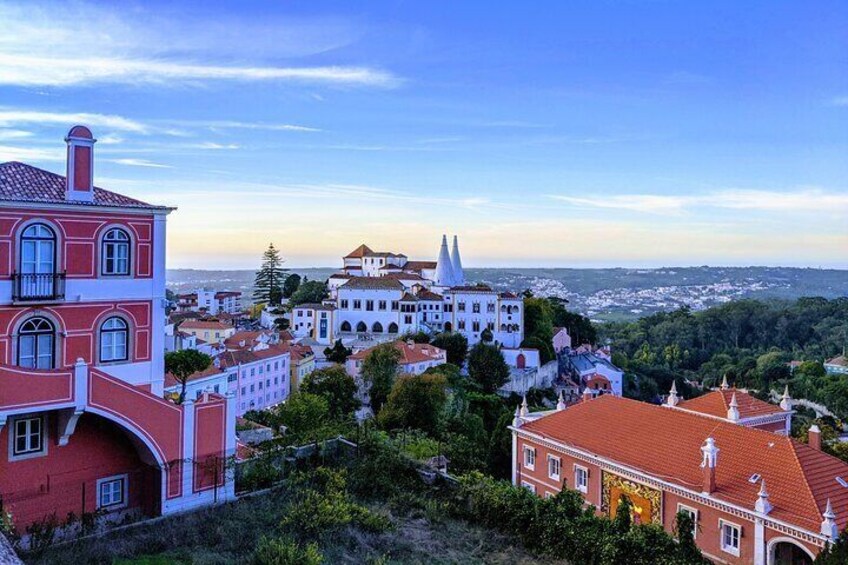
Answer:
(794, 448)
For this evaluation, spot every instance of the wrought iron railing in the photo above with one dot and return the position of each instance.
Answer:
(34, 287)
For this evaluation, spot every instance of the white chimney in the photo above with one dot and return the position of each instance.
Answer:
(79, 184)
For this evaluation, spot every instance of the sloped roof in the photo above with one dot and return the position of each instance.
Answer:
(359, 252)
(717, 402)
(418, 265)
(204, 325)
(666, 443)
(410, 352)
(840, 361)
(20, 182)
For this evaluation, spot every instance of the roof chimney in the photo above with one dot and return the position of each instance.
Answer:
(708, 465)
(79, 184)
(724, 385)
(733, 409)
(814, 437)
(456, 264)
(673, 399)
(587, 393)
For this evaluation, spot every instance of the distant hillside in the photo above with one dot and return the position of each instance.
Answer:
(606, 294)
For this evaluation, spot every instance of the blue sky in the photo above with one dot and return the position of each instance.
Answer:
(544, 134)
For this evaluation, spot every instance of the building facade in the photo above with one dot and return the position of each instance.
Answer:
(414, 358)
(755, 496)
(83, 420)
(210, 301)
(383, 295)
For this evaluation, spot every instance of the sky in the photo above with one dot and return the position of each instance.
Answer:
(549, 134)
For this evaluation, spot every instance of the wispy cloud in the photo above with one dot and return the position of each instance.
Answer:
(21, 70)
(139, 163)
(6, 134)
(232, 124)
(42, 46)
(16, 116)
(798, 200)
(214, 146)
(8, 153)
(840, 101)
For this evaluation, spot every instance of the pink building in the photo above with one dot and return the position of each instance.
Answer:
(83, 423)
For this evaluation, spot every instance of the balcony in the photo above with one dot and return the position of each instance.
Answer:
(38, 287)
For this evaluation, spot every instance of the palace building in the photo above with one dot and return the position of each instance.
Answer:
(383, 295)
(755, 496)
(83, 422)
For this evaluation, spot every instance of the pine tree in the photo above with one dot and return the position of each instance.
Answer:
(268, 285)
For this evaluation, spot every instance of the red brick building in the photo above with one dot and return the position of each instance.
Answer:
(83, 424)
(756, 496)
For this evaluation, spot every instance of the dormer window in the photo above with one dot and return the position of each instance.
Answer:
(115, 254)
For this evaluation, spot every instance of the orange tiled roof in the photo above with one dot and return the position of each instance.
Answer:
(665, 443)
(410, 353)
(418, 265)
(717, 402)
(25, 183)
(359, 252)
(204, 325)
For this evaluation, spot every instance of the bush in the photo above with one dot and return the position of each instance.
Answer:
(285, 552)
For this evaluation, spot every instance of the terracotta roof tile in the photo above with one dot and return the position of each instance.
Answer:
(717, 402)
(24, 183)
(665, 443)
(378, 283)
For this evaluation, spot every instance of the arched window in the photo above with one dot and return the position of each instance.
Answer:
(115, 253)
(114, 340)
(38, 261)
(345, 326)
(377, 328)
(36, 344)
(393, 328)
(361, 327)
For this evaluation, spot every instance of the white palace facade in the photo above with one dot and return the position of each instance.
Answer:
(383, 294)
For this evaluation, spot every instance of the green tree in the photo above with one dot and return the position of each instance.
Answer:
(309, 292)
(417, 337)
(455, 345)
(183, 364)
(379, 370)
(415, 402)
(267, 286)
(336, 387)
(290, 285)
(338, 353)
(836, 553)
(487, 336)
(487, 368)
(684, 530)
(304, 415)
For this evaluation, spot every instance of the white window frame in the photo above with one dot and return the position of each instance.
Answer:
(555, 476)
(13, 437)
(578, 469)
(529, 486)
(727, 548)
(530, 462)
(694, 512)
(124, 479)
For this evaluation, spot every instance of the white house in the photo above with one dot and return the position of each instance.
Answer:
(415, 358)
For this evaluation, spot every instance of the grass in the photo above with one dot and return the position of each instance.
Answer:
(229, 534)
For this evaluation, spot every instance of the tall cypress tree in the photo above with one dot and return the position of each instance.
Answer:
(268, 285)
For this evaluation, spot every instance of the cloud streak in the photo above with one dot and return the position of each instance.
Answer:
(799, 200)
(22, 70)
(10, 117)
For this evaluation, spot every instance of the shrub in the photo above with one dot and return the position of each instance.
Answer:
(285, 552)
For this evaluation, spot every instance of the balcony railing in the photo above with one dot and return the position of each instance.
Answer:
(35, 287)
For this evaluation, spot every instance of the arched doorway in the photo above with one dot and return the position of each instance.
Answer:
(448, 327)
(393, 328)
(377, 328)
(520, 361)
(345, 327)
(784, 551)
(361, 327)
